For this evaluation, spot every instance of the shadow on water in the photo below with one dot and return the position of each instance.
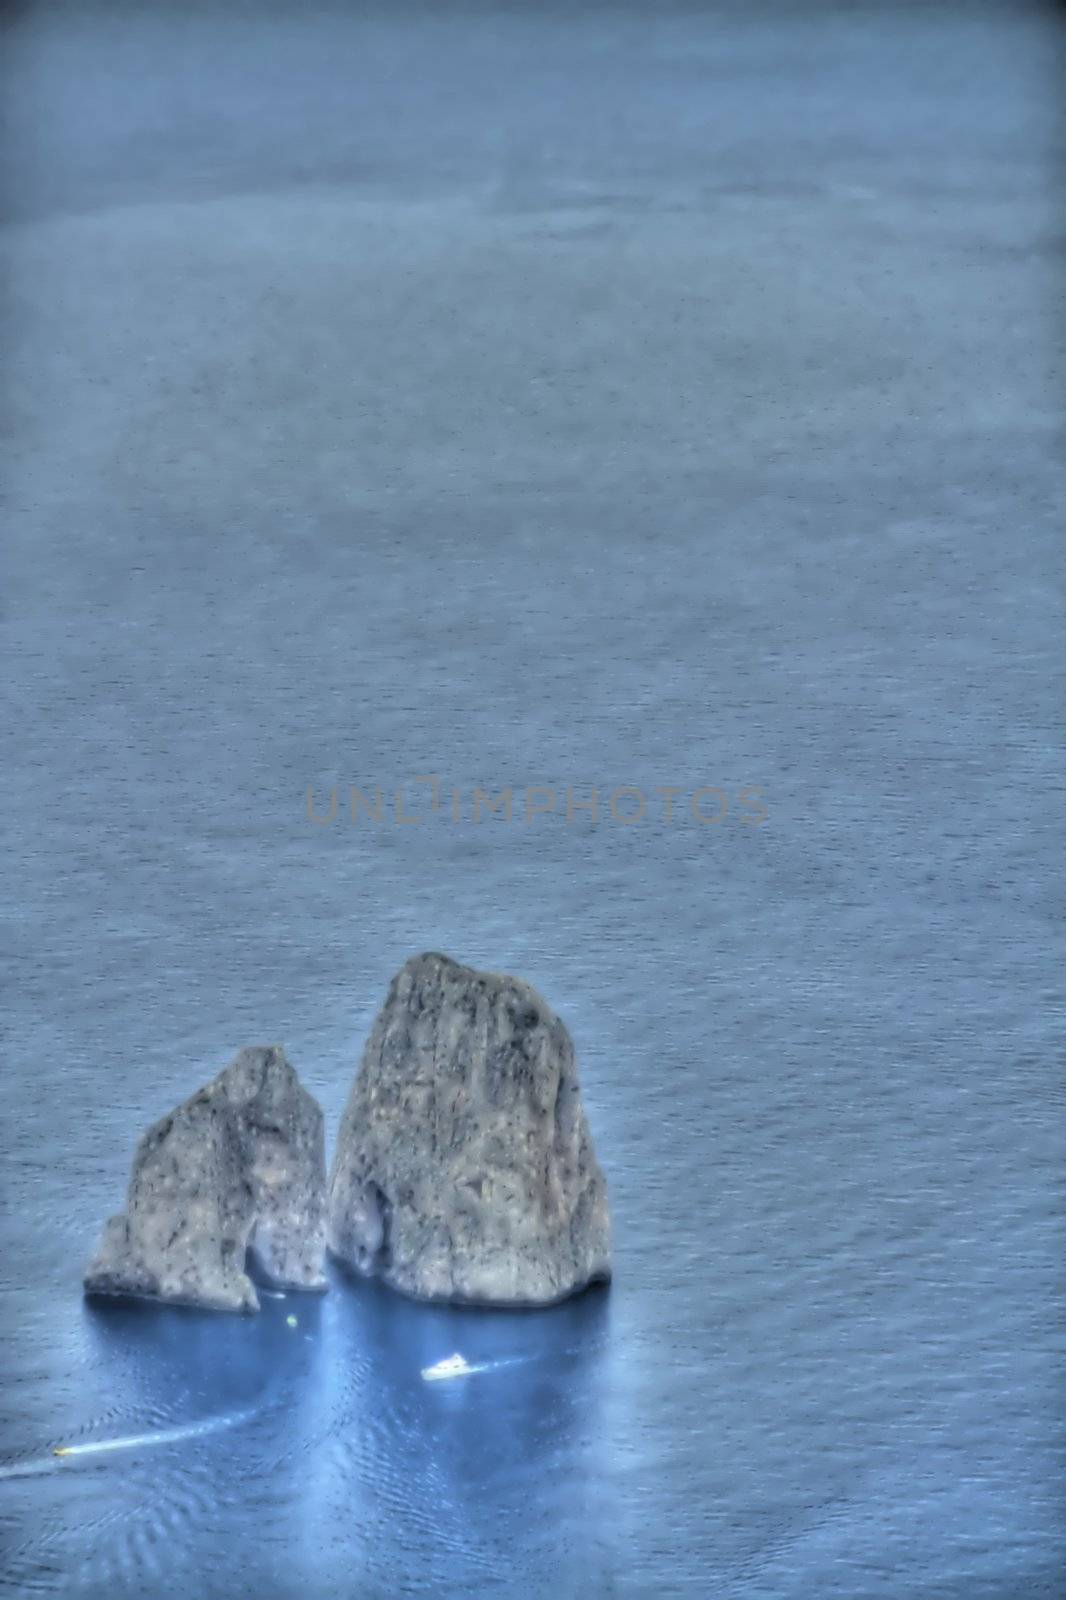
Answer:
(307, 1437)
(182, 1364)
(464, 1472)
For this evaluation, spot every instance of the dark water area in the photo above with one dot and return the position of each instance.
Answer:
(655, 397)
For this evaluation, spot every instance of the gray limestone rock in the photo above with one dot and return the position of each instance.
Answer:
(464, 1168)
(240, 1167)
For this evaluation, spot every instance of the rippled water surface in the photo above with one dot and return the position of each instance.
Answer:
(642, 396)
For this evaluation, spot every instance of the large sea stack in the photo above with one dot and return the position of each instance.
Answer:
(464, 1168)
(237, 1169)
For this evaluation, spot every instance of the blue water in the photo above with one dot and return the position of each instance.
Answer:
(641, 396)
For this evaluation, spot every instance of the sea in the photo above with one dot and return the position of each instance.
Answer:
(579, 488)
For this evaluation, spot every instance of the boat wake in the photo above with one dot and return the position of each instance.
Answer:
(133, 1441)
(456, 1367)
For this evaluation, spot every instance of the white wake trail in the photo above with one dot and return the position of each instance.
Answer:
(131, 1441)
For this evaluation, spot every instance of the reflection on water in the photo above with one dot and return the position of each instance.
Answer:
(320, 1448)
(441, 1472)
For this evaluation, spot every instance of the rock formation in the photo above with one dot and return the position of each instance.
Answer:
(239, 1167)
(464, 1168)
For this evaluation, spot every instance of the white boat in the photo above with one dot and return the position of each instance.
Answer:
(450, 1367)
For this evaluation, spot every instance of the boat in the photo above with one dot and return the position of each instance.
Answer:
(450, 1367)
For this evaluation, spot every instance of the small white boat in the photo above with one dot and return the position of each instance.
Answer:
(450, 1367)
